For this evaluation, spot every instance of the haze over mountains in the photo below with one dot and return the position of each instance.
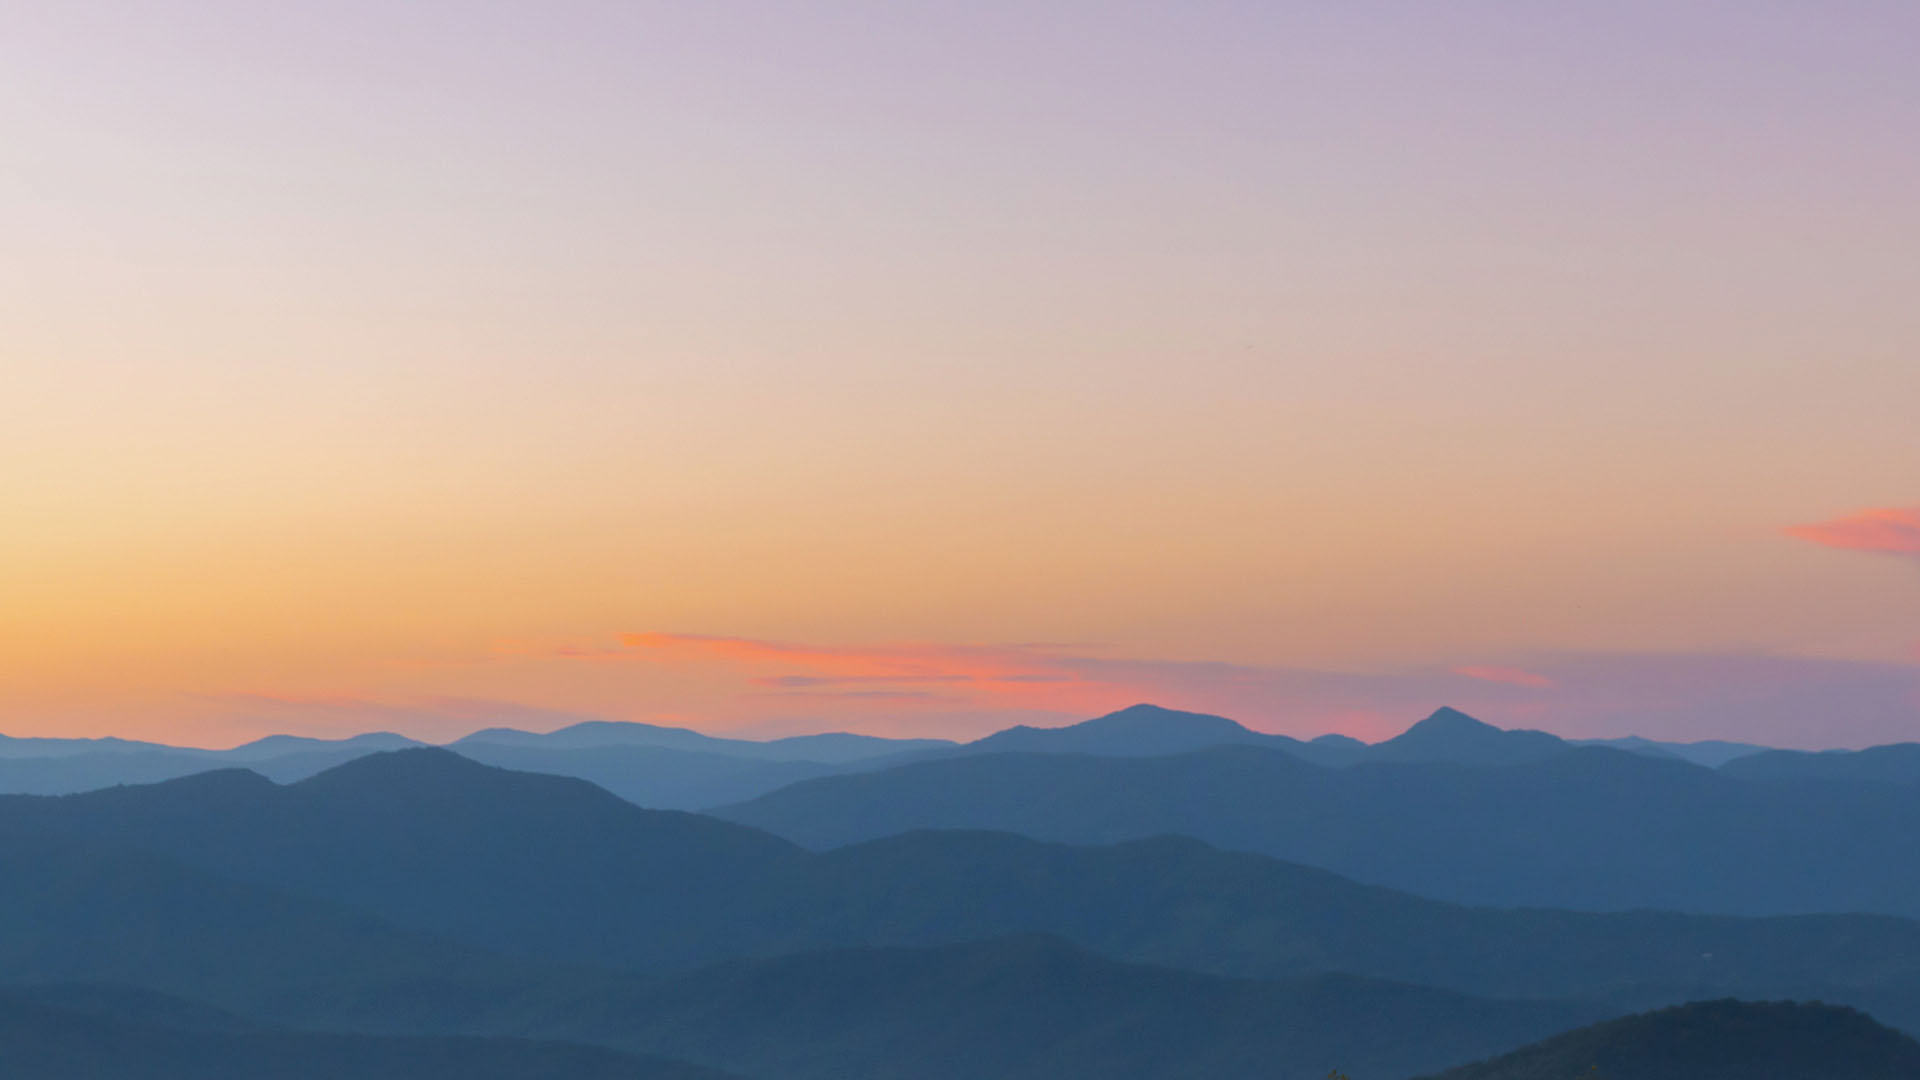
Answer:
(1093, 901)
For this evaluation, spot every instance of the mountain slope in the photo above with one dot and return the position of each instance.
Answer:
(832, 748)
(1587, 828)
(540, 866)
(1718, 1040)
(1450, 735)
(1178, 902)
(657, 777)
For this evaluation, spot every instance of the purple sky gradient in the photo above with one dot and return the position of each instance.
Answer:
(346, 341)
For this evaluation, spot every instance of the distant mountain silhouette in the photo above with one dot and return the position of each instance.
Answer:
(278, 746)
(69, 766)
(42, 1041)
(681, 769)
(1036, 1008)
(1896, 764)
(660, 767)
(1342, 742)
(1718, 1040)
(1151, 731)
(91, 770)
(1711, 753)
(1148, 731)
(833, 748)
(12, 746)
(1586, 828)
(1450, 735)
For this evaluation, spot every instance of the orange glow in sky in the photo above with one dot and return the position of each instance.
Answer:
(763, 371)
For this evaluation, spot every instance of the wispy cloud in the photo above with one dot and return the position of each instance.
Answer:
(962, 690)
(795, 681)
(1891, 531)
(1011, 675)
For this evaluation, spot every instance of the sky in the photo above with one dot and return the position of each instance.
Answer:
(919, 368)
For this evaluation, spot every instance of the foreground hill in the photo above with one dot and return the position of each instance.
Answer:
(1586, 828)
(1718, 1040)
(40, 1041)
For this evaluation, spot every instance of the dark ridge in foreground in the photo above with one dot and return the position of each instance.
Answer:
(1716, 1040)
(39, 1041)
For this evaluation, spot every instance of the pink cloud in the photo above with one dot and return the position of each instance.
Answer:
(1893, 531)
(1031, 677)
(962, 690)
(1507, 675)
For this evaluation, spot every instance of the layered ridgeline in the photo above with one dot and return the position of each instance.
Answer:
(1717, 1040)
(415, 859)
(80, 920)
(676, 768)
(1024, 1009)
(679, 769)
(665, 767)
(1453, 809)
(65, 766)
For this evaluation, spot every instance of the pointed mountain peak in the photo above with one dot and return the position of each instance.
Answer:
(1451, 735)
(1446, 718)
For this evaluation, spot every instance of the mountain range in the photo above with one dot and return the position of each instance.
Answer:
(677, 768)
(445, 856)
(1103, 900)
(1453, 809)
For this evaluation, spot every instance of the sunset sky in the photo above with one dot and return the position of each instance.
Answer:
(925, 367)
